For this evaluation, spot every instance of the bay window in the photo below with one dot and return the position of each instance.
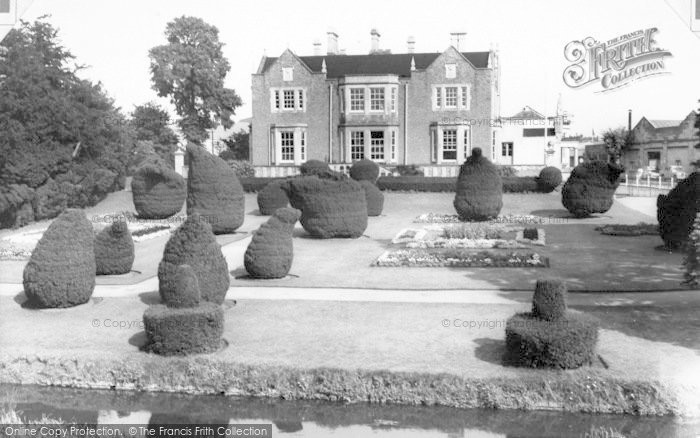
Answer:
(376, 99)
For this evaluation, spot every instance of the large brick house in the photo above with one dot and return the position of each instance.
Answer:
(409, 108)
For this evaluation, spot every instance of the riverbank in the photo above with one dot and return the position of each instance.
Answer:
(397, 353)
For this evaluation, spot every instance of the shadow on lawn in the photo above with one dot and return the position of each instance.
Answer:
(490, 350)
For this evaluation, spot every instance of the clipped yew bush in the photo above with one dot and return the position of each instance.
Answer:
(183, 325)
(271, 251)
(114, 250)
(374, 197)
(479, 193)
(329, 208)
(272, 197)
(677, 210)
(61, 269)
(314, 167)
(194, 244)
(364, 170)
(590, 188)
(550, 336)
(549, 179)
(213, 191)
(158, 191)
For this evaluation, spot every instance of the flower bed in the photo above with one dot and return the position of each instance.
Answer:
(433, 218)
(460, 258)
(466, 243)
(640, 229)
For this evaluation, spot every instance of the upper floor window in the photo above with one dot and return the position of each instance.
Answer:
(376, 99)
(451, 97)
(357, 99)
(287, 99)
(450, 71)
(287, 74)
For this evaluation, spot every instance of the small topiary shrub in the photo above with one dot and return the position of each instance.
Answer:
(314, 167)
(114, 250)
(194, 244)
(184, 325)
(530, 233)
(213, 191)
(677, 211)
(691, 262)
(329, 208)
(271, 250)
(61, 269)
(591, 187)
(479, 194)
(158, 191)
(374, 197)
(549, 179)
(272, 197)
(550, 336)
(364, 170)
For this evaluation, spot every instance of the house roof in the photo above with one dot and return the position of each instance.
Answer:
(377, 64)
(526, 113)
(665, 123)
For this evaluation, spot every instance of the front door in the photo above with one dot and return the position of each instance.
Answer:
(506, 153)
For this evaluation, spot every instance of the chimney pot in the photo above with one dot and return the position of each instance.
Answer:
(411, 44)
(332, 44)
(456, 39)
(375, 41)
(317, 47)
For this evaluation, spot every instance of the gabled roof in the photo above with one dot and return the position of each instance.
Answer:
(526, 113)
(378, 64)
(664, 123)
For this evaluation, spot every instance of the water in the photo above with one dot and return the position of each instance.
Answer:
(313, 419)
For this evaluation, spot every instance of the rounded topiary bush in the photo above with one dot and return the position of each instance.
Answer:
(184, 325)
(314, 167)
(364, 170)
(549, 179)
(194, 244)
(61, 269)
(272, 197)
(479, 194)
(329, 208)
(114, 250)
(271, 250)
(549, 300)
(374, 197)
(677, 211)
(214, 191)
(591, 187)
(158, 191)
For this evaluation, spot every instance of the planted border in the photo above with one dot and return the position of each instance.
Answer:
(460, 258)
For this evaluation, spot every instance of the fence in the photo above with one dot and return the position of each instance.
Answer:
(649, 186)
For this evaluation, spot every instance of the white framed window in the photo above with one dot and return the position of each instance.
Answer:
(465, 97)
(376, 151)
(287, 74)
(302, 145)
(467, 142)
(300, 99)
(357, 99)
(276, 99)
(8, 11)
(507, 149)
(288, 100)
(695, 15)
(4, 6)
(438, 97)
(357, 145)
(376, 98)
(287, 146)
(450, 71)
(393, 145)
(393, 99)
(450, 97)
(449, 145)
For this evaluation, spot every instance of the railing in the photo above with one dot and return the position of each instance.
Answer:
(441, 171)
(646, 186)
(285, 171)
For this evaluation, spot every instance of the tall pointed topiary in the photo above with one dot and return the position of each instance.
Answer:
(374, 197)
(194, 244)
(479, 194)
(214, 191)
(183, 325)
(677, 211)
(591, 188)
(114, 249)
(271, 250)
(272, 197)
(158, 191)
(61, 270)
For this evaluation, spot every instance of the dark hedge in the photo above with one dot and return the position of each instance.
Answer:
(256, 184)
(158, 191)
(183, 331)
(479, 193)
(364, 170)
(314, 167)
(270, 252)
(549, 300)
(61, 269)
(591, 187)
(114, 250)
(272, 197)
(676, 211)
(374, 197)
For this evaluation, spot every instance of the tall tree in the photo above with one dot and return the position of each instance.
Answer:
(237, 146)
(190, 69)
(151, 123)
(616, 142)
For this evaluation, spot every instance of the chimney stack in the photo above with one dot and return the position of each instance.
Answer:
(375, 41)
(332, 45)
(317, 47)
(411, 44)
(456, 39)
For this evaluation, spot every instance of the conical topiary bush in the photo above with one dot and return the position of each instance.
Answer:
(329, 208)
(479, 194)
(194, 244)
(374, 197)
(183, 325)
(61, 270)
(364, 170)
(114, 249)
(677, 210)
(158, 191)
(272, 197)
(271, 251)
(591, 187)
(213, 191)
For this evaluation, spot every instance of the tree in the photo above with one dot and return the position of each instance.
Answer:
(616, 142)
(190, 69)
(237, 146)
(151, 123)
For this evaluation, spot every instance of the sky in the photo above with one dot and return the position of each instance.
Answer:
(112, 37)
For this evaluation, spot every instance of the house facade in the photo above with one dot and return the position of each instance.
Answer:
(409, 108)
(661, 143)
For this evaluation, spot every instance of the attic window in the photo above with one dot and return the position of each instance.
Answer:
(4, 6)
(287, 73)
(450, 71)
